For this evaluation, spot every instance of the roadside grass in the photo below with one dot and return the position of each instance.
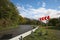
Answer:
(44, 34)
(7, 28)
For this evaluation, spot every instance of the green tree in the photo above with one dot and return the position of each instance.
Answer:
(53, 22)
(9, 15)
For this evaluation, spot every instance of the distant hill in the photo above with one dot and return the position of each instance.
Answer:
(27, 21)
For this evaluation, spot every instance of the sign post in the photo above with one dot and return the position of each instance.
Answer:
(44, 18)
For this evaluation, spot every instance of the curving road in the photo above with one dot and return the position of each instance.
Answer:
(7, 34)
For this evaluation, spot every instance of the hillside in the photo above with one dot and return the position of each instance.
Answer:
(9, 16)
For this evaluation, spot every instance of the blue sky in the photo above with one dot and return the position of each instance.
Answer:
(54, 4)
(35, 9)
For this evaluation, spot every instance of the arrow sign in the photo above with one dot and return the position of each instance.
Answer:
(44, 18)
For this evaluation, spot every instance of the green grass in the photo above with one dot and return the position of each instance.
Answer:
(6, 28)
(44, 34)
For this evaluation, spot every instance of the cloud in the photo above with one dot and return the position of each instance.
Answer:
(28, 5)
(37, 13)
(59, 7)
(43, 4)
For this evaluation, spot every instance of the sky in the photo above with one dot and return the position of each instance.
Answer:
(35, 9)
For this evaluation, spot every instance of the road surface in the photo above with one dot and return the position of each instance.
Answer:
(7, 34)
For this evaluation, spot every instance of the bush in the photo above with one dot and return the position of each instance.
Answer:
(58, 25)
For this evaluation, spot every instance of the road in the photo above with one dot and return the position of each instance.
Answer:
(7, 34)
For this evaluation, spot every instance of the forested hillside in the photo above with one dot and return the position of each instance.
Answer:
(9, 16)
(27, 21)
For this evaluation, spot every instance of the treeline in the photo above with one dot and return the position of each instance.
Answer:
(27, 21)
(54, 22)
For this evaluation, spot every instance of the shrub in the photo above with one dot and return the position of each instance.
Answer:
(58, 25)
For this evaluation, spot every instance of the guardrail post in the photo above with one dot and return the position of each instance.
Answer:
(21, 38)
(31, 31)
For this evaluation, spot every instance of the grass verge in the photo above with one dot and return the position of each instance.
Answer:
(44, 34)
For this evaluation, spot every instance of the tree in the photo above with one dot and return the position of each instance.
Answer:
(9, 16)
(53, 22)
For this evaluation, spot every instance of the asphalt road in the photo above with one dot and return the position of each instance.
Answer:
(7, 34)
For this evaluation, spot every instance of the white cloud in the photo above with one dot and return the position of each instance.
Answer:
(28, 5)
(43, 4)
(59, 7)
(37, 13)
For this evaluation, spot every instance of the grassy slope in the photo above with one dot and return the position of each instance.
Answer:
(47, 34)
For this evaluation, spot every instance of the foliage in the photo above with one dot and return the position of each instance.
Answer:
(29, 21)
(53, 22)
(9, 16)
(44, 34)
(22, 20)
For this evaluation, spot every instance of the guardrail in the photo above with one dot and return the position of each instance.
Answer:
(21, 36)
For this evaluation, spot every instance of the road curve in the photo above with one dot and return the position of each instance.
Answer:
(7, 34)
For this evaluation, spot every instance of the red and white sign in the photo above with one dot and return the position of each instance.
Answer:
(44, 18)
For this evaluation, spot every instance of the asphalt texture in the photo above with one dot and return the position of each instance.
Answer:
(7, 34)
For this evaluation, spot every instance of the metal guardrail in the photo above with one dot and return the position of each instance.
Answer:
(21, 36)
